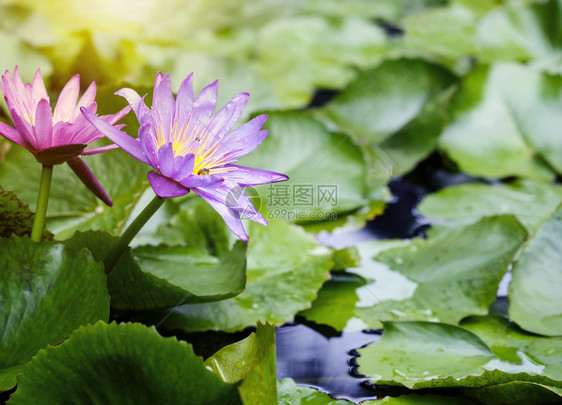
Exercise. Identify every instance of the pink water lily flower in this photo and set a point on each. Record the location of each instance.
(191, 148)
(59, 136)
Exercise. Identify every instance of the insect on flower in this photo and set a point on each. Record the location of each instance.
(191, 148)
(59, 136)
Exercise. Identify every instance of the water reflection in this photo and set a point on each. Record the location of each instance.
(326, 363)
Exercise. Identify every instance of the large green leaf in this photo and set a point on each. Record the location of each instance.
(71, 205)
(519, 31)
(525, 392)
(426, 399)
(120, 364)
(534, 291)
(383, 100)
(288, 393)
(327, 171)
(167, 275)
(526, 351)
(253, 361)
(46, 291)
(286, 268)
(439, 279)
(301, 54)
(503, 117)
(528, 200)
(423, 354)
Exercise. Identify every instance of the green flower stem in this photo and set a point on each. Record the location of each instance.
(131, 232)
(42, 202)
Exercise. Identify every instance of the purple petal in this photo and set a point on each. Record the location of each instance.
(137, 102)
(243, 139)
(163, 103)
(44, 125)
(13, 135)
(165, 187)
(64, 110)
(85, 175)
(230, 217)
(149, 144)
(183, 166)
(94, 151)
(113, 118)
(227, 116)
(206, 101)
(166, 160)
(184, 103)
(129, 144)
(210, 180)
(248, 176)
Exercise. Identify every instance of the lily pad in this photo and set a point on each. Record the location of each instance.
(383, 100)
(44, 298)
(504, 122)
(530, 201)
(288, 393)
(535, 302)
(441, 279)
(519, 31)
(167, 275)
(327, 172)
(423, 354)
(525, 392)
(251, 360)
(124, 364)
(286, 268)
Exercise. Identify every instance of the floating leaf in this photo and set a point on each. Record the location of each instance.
(251, 360)
(44, 298)
(502, 118)
(121, 364)
(423, 354)
(383, 100)
(288, 393)
(439, 279)
(327, 172)
(167, 275)
(528, 200)
(525, 392)
(286, 268)
(535, 302)
(520, 32)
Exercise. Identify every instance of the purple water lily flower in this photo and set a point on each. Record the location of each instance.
(191, 148)
(58, 137)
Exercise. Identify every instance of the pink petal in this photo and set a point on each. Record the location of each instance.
(39, 90)
(44, 125)
(85, 175)
(25, 129)
(64, 110)
(13, 135)
(87, 99)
